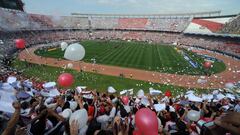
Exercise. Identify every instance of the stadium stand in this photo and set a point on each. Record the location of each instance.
(207, 25)
(103, 23)
(41, 29)
(232, 27)
(164, 30)
(168, 24)
(212, 26)
(43, 20)
(13, 20)
(70, 22)
(154, 24)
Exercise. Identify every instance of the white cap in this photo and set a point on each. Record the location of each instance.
(49, 85)
(123, 92)
(190, 92)
(50, 93)
(50, 90)
(111, 90)
(193, 98)
(154, 92)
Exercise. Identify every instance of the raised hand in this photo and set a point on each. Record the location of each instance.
(21, 131)
(74, 127)
(16, 105)
(230, 121)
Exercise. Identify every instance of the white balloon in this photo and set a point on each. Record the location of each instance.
(193, 115)
(69, 65)
(74, 52)
(64, 45)
(229, 85)
(81, 116)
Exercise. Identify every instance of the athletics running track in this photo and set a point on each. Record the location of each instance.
(231, 74)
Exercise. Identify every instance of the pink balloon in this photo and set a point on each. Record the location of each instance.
(20, 43)
(65, 80)
(146, 120)
(207, 64)
(125, 100)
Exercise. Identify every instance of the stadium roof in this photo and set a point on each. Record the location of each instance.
(194, 14)
(216, 35)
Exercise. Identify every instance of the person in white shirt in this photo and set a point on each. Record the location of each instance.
(107, 117)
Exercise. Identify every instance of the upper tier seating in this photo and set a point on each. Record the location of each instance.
(132, 23)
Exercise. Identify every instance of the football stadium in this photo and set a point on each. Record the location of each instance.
(107, 73)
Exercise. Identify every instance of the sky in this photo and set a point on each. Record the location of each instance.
(66, 7)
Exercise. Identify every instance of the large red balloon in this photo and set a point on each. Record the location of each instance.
(65, 80)
(146, 120)
(207, 64)
(125, 100)
(136, 132)
(168, 93)
(20, 43)
(150, 133)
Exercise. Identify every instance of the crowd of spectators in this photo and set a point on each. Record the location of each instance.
(37, 110)
(173, 24)
(104, 23)
(168, 24)
(15, 20)
(12, 20)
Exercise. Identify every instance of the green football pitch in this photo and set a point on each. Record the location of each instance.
(139, 55)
